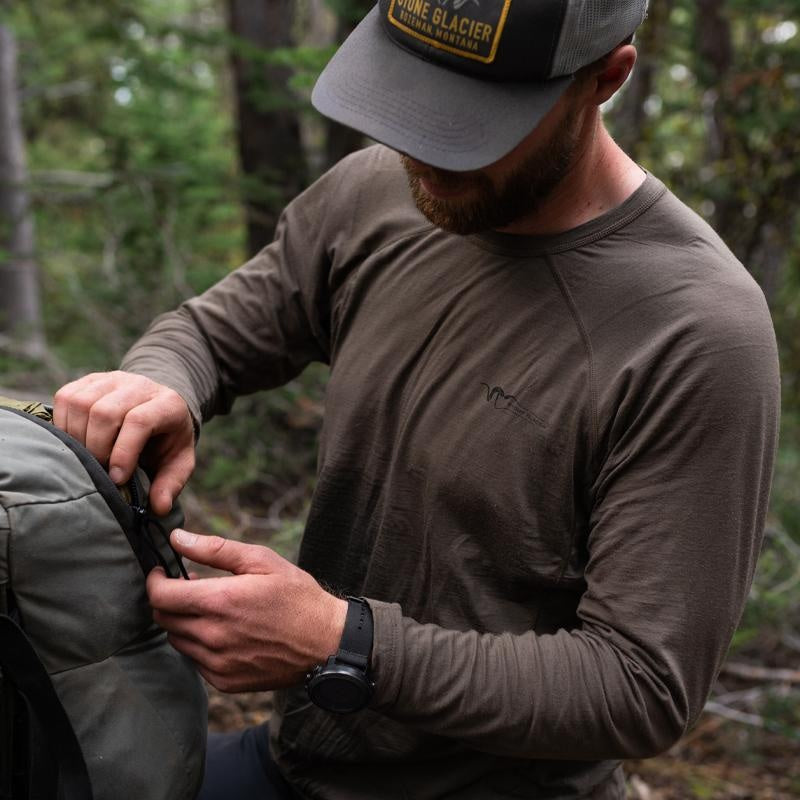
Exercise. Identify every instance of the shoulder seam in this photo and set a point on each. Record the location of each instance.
(593, 427)
(575, 314)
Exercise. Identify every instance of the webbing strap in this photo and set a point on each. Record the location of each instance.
(7, 711)
(22, 667)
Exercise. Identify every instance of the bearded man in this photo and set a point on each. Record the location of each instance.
(549, 433)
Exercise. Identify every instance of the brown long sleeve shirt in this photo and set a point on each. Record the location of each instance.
(545, 460)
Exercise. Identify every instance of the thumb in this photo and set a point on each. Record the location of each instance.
(227, 554)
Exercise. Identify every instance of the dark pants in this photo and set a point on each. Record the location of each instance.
(239, 767)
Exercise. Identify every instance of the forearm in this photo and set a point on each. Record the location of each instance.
(570, 695)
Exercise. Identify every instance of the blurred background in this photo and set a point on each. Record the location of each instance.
(146, 148)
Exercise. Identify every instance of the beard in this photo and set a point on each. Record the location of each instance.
(476, 204)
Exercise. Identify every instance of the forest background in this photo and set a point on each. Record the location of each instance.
(146, 148)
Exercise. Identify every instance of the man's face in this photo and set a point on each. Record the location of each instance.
(506, 191)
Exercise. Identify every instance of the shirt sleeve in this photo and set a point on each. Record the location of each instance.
(259, 326)
(678, 513)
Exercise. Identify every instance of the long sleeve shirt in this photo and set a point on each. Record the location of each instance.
(545, 461)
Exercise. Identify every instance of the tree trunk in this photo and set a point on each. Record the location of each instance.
(20, 302)
(341, 140)
(630, 118)
(270, 146)
(715, 48)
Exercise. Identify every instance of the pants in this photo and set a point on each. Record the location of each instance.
(239, 767)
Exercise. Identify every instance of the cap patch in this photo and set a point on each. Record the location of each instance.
(467, 28)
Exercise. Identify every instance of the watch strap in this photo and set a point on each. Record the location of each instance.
(355, 646)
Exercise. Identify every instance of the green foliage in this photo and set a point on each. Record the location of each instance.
(727, 144)
(133, 167)
(350, 11)
(772, 612)
(132, 150)
(129, 120)
(268, 446)
(723, 136)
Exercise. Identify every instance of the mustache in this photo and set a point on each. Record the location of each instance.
(441, 177)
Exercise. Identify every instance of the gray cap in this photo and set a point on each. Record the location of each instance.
(458, 84)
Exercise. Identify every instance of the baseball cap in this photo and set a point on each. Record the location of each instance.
(458, 84)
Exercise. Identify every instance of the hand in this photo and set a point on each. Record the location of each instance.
(116, 414)
(264, 627)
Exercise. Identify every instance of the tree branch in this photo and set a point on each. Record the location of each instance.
(752, 673)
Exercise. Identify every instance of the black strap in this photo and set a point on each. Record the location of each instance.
(356, 644)
(7, 713)
(22, 666)
(9, 701)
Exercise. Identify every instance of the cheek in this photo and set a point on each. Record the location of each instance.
(561, 124)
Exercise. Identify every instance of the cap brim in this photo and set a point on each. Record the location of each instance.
(434, 114)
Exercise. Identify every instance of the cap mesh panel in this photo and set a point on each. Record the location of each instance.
(593, 28)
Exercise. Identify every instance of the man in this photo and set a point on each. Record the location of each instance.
(549, 432)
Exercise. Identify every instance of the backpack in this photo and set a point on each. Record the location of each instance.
(94, 702)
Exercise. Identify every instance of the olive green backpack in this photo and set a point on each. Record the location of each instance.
(94, 702)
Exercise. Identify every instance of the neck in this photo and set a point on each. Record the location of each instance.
(602, 176)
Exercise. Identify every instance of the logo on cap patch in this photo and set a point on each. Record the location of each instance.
(467, 28)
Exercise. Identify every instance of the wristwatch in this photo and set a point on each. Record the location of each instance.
(342, 684)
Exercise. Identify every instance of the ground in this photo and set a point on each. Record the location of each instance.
(718, 760)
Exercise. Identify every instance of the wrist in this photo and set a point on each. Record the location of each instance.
(342, 683)
(334, 628)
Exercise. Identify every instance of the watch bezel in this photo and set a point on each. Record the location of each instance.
(322, 683)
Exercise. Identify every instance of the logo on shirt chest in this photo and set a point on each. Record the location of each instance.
(501, 401)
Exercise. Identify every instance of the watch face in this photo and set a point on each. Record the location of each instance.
(339, 688)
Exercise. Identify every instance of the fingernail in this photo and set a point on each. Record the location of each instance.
(116, 475)
(185, 538)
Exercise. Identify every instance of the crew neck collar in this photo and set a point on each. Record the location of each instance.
(512, 244)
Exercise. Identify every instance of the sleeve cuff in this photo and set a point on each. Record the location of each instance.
(387, 653)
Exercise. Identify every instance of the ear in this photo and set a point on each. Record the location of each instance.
(616, 70)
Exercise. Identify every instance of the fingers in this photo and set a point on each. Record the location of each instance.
(229, 555)
(191, 647)
(203, 659)
(168, 426)
(115, 414)
(256, 630)
(100, 426)
(171, 596)
(209, 662)
(72, 403)
(187, 626)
